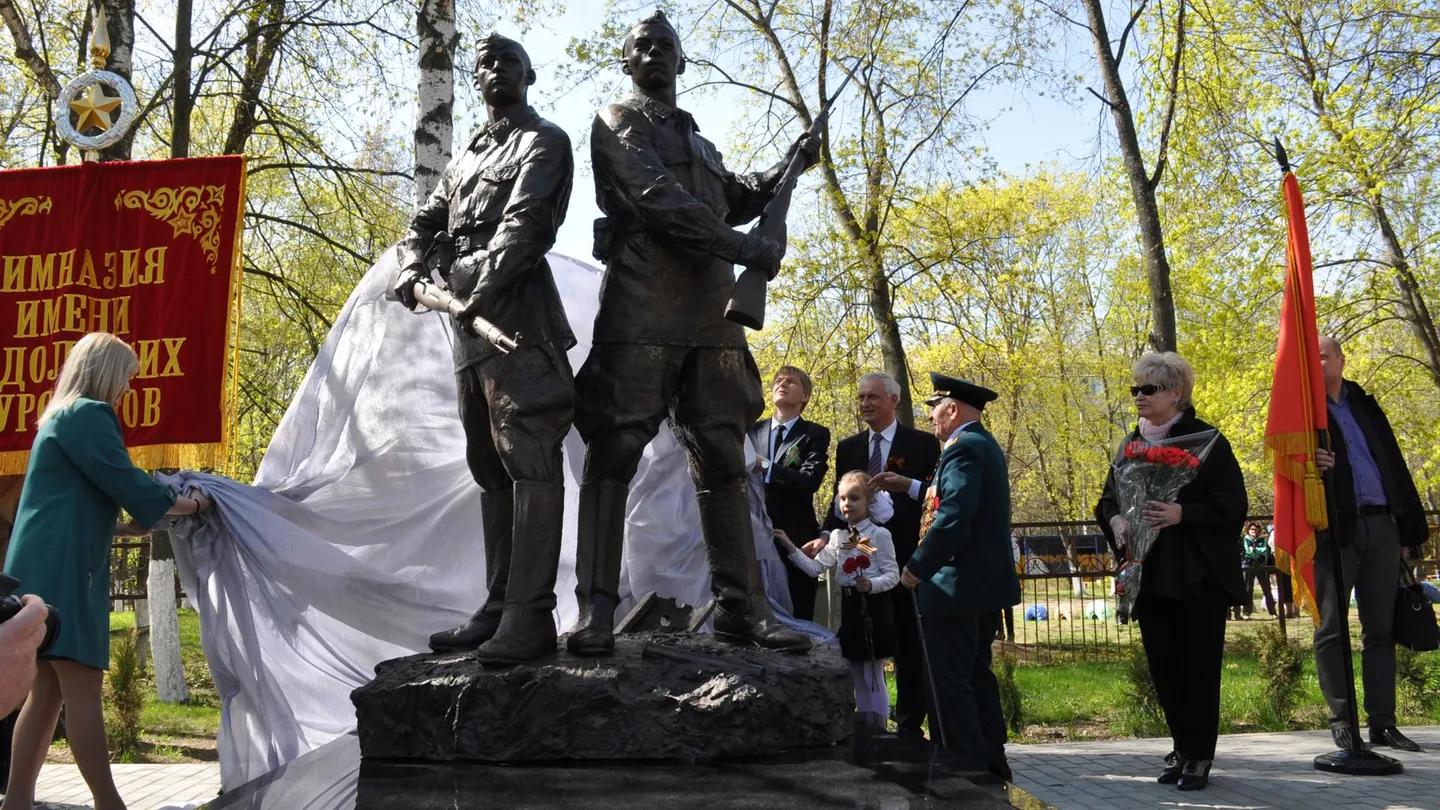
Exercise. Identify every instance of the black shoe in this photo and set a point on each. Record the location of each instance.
(1341, 736)
(983, 777)
(600, 533)
(1392, 737)
(909, 733)
(479, 629)
(1003, 772)
(1174, 766)
(1195, 776)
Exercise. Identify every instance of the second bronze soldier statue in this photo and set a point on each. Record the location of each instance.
(662, 347)
(502, 200)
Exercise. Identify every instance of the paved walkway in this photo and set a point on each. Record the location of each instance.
(1252, 772)
(143, 787)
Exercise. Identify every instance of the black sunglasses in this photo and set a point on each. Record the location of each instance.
(1149, 389)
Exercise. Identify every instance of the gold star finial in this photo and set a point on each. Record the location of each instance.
(94, 109)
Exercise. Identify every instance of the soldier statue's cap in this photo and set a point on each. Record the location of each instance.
(964, 390)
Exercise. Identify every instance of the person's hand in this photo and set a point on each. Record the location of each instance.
(1324, 459)
(20, 637)
(202, 501)
(783, 539)
(908, 579)
(862, 584)
(1121, 527)
(808, 148)
(1162, 515)
(405, 286)
(890, 482)
(814, 547)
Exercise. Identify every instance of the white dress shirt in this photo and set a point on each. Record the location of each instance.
(887, 438)
(884, 571)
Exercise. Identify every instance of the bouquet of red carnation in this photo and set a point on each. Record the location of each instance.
(855, 566)
(1152, 471)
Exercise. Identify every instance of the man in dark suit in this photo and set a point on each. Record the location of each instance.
(963, 575)
(1379, 512)
(797, 454)
(900, 460)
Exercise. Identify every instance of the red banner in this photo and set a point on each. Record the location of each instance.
(149, 251)
(1297, 411)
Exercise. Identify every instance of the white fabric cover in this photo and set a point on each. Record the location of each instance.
(361, 534)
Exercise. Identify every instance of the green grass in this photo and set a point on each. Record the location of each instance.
(171, 732)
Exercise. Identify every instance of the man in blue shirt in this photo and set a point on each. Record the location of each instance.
(1377, 512)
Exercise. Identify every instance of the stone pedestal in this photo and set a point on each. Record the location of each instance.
(661, 696)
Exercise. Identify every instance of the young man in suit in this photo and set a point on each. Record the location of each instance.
(900, 460)
(797, 454)
(965, 575)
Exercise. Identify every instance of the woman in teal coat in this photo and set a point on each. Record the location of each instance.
(78, 479)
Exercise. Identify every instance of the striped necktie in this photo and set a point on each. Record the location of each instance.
(877, 461)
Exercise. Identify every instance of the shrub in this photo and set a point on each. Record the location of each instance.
(1415, 679)
(1243, 645)
(1011, 699)
(124, 697)
(1281, 664)
(1141, 715)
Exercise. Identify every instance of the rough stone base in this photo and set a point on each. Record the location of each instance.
(661, 696)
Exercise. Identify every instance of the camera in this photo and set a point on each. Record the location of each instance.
(10, 605)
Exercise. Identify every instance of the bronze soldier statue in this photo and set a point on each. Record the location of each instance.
(501, 202)
(662, 347)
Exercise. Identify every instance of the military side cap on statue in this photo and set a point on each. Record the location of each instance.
(964, 390)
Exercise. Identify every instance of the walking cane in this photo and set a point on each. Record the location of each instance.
(929, 671)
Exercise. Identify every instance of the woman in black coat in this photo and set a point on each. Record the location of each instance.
(1191, 572)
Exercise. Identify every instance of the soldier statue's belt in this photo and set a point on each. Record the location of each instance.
(468, 242)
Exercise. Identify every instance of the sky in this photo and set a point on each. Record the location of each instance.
(1024, 129)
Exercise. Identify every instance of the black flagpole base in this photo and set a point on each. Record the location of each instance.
(1358, 763)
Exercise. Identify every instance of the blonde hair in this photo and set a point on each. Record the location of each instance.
(858, 477)
(99, 367)
(1167, 369)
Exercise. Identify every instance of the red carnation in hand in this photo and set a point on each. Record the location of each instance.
(862, 562)
(850, 565)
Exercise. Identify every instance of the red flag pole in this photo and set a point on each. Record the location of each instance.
(1354, 760)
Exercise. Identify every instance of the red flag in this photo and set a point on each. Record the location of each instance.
(1297, 411)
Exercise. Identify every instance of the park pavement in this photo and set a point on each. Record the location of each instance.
(143, 787)
(1251, 772)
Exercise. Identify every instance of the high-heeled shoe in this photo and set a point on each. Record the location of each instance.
(1195, 776)
(1174, 766)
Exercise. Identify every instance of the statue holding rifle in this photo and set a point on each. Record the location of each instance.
(485, 231)
(663, 347)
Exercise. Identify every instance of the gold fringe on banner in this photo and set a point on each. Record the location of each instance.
(147, 457)
(1292, 565)
(1315, 512)
(230, 399)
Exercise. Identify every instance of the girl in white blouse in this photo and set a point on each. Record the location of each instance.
(863, 557)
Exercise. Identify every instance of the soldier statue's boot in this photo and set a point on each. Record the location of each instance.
(742, 616)
(598, 549)
(527, 626)
(497, 516)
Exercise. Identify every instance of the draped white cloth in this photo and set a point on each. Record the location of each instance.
(361, 534)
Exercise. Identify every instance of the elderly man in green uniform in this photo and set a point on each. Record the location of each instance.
(963, 576)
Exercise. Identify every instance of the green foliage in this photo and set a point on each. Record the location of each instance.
(124, 697)
(1011, 698)
(1281, 665)
(1140, 715)
(1417, 679)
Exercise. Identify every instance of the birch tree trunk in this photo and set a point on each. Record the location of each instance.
(164, 621)
(120, 21)
(435, 24)
(1142, 184)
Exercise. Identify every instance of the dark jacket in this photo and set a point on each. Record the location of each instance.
(800, 465)
(913, 454)
(1400, 493)
(506, 195)
(1212, 515)
(667, 237)
(964, 562)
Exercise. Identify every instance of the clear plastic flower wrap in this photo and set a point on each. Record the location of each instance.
(1151, 471)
